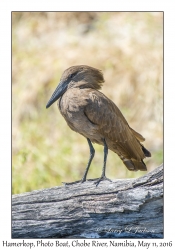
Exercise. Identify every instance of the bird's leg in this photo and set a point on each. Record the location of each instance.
(103, 176)
(92, 153)
(105, 158)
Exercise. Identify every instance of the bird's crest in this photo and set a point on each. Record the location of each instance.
(84, 76)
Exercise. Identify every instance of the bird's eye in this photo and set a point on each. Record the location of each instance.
(73, 74)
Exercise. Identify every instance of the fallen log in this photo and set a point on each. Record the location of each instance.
(129, 208)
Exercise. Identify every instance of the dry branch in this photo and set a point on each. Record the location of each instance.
(131, 208)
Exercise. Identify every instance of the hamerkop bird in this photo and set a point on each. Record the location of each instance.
(93, 115)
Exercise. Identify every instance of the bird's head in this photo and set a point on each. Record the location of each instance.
(80, 76)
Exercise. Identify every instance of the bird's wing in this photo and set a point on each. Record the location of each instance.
(113, 126)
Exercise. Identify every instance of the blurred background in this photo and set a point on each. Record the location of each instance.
(126, 46)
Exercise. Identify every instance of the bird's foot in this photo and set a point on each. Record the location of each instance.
(71, 183)
(102, 178)
(83, 179)
(75, 182)
(97, 181)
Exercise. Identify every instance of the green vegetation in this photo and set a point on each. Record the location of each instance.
(126, 46)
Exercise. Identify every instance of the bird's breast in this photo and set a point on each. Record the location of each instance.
(72, 105)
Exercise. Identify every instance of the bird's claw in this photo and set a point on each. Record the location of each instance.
(75, 182)
(71, 183)
(102, 178)
(98, 180)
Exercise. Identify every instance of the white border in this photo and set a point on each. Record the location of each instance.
(5, 92)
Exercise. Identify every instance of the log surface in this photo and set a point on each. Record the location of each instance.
(130, 208)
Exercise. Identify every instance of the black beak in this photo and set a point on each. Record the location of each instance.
(59, 91)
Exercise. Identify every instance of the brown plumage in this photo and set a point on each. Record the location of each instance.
(93, 115)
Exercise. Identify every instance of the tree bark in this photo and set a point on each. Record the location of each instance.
(130, 208)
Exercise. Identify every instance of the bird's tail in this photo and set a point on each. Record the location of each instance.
(145, 151)
(134, 165)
